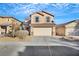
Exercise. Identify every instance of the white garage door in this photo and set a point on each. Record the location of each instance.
(42, 31)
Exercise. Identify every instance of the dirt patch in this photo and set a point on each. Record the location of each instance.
(14, 39)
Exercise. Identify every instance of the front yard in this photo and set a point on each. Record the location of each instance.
(21, 35)
(14, 39)
(29, 38)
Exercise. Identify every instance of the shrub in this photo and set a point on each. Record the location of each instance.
(21, 34)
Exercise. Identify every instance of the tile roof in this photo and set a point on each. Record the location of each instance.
(9, 17)
(40, 13)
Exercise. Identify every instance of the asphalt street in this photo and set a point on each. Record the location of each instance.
(49, 51)
(40, 46)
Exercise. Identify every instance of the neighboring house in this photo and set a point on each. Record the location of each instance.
(60, 30)
(68, 29)
(6, 24)
(42, 24)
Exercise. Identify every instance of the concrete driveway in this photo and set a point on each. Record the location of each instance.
(50, 41)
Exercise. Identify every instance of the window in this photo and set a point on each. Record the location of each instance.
(36, 19)
(48, 19)
(3, 27)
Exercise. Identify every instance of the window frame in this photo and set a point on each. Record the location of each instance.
(36, 18)
(47, 19)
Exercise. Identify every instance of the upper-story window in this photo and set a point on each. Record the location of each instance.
(47, 19)
(37, 19)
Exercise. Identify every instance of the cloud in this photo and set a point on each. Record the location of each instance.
(21, 10)
(28, 8)
(24, 8)
(60, 5)
(65, 9)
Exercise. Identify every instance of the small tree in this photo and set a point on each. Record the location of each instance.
(22, 33)
(15, 27)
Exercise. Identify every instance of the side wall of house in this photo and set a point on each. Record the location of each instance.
(17, 24)
(72, 29)
(54, 30)
(60, 31)
(33, 19)
(42, 19)
(8, 21)
(4, 20)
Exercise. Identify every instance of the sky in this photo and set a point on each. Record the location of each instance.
(63, 12)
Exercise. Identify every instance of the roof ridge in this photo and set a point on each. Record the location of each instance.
(6, 16)
(68, 22)
(43, 12)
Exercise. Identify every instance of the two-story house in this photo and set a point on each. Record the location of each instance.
(42, 24)
(6, 23)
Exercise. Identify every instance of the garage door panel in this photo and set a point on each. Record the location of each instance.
(42, 31)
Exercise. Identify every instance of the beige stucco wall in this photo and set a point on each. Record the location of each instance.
(3, 20)
(71, 25)
(70, 29)
(17, 22)
(10, 21)
(41, 20)
(60, 31)
(51, 18)
(43, 30)
(33, 19)
(54, 31)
